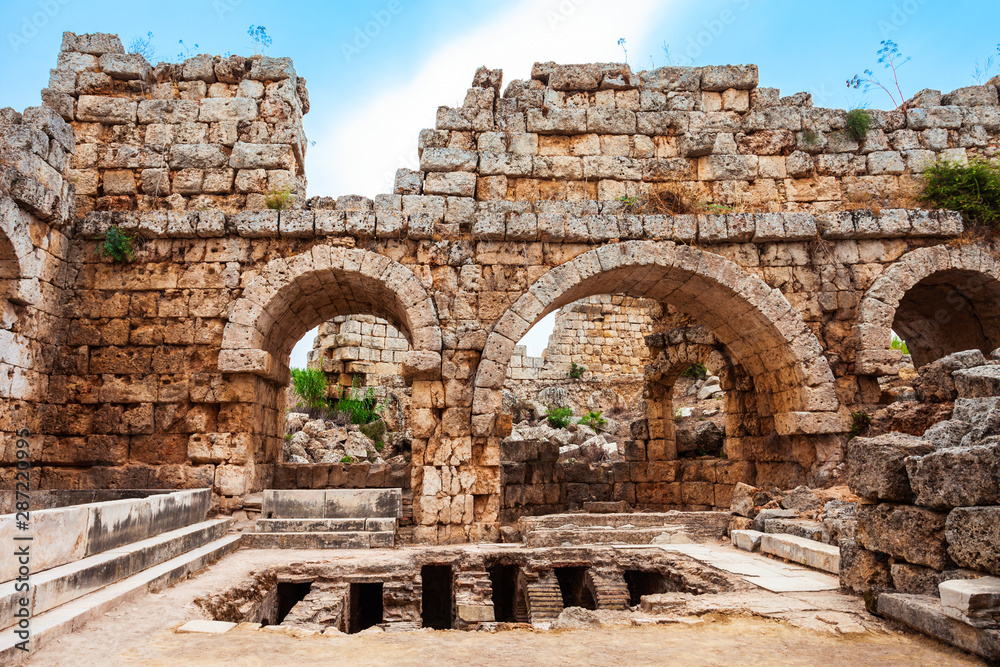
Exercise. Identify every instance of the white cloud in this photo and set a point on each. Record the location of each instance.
(359, 154)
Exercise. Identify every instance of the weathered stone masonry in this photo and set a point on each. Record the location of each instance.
(170, 371)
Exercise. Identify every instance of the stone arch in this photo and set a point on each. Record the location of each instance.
(287, 298)
(754, 321)
(941, 299)
(674, 352)
(292, 295)
(17, 258)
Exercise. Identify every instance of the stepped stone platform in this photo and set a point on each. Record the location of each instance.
(629, 528)
(327, 519)
(87, 558)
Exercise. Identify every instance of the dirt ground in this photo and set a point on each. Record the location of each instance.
(141, 632)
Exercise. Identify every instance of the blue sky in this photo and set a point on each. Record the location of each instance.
(372, 93)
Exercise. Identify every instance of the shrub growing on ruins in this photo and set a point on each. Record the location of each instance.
(859, 121)
(559, 416)
(360, 407)
(278, 199)
(310, 384)
(576, 372)
(972, 189)
(696, 371)
(593, 419)
(898, 344)
(860, 423)
(117, 246)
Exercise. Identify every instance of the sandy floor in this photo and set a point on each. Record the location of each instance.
(141, 633)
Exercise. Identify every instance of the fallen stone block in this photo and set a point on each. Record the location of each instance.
(800, 550)
(971, 595)
(747, 540)
(925, 614)
(206, 627)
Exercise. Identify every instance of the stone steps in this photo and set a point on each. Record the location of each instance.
(60, 585)
(320, 540)
(71, 616)
(610, 590)
(324, 525)
(544, 600)
(327, 519)
(811, 553)
(804, 528)
(700, 524)
(925, 613)
(581, 536)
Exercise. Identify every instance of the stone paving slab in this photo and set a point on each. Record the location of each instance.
(761, 571)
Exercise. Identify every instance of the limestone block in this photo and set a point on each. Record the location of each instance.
(974, 538)
(885, 162)
(958, 477)
(817, 555)
(459, 184)
(971, 595)
(747, 540)
(720, 78)
(448, 159)
(662, 123)
(167, 111)
(727, 167)
(671, 79)
(610, 121)
(914, 534)
(296, 223)
(126, 66)
(944, 116)
(106, 110)
(876, 466)
(557, 121)
(204, 627)
(94, 43)
(272, 69)
(197, 156)
(262, 156)
(862, 570)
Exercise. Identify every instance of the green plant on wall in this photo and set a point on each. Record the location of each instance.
(972, 189)
(860, 423)
(360, 407)
(117, 245)
(858, 123)
(593, 419)
(559, 417)
(310, 384)
(898, 344)
(278, 199)
(576, 372)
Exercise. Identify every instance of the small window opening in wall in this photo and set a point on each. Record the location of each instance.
(289, 595)
(574, 589)
(641, 583)
(366, 607)
(504, 581)
(436, 601)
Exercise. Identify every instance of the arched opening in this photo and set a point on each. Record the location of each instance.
(939, 300)
(289, 298)
(949, 311)
(780, 381)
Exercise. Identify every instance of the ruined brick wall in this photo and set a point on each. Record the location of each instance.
(36, 205)
(601, 132)
(359, 345)
(211, 132)
(169, 371)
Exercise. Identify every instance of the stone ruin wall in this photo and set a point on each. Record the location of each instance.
(167, 372)
(359, 345)
(605, 335)
(214, 132)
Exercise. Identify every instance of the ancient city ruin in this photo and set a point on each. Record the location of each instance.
(729, 371)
